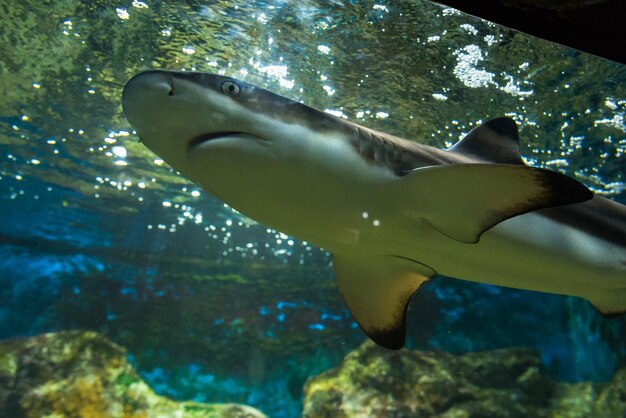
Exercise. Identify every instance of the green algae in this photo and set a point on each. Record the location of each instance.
(75, 374)
(373, 382)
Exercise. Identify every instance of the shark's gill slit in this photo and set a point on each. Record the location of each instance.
(170, 79)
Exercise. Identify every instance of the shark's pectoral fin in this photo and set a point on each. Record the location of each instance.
(377, 290)
(464, 200)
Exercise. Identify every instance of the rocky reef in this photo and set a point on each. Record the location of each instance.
(76, 374)
(83, 375)
(373, 382)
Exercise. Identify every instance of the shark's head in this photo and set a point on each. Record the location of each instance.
(181, 114)
(232, 138)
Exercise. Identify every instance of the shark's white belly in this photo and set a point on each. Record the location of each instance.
(529, 251)
(535, 253)
(542, 251)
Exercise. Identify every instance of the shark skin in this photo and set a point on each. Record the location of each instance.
(394, 213)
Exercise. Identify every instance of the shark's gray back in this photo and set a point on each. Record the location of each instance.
(495, 141)
(600, 217)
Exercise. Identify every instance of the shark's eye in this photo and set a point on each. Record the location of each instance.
(230, 87)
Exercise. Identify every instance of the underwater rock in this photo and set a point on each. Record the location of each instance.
(611, 401)
(82, 374)
(373, 382)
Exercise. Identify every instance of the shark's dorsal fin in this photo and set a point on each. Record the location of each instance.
(377, 290)
(496, 140)
(463, 201)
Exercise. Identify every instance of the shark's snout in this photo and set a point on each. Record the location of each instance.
(143, 93)
(159, 82)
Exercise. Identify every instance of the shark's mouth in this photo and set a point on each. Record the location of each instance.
(203, 138)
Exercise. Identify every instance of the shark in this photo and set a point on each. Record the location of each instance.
(394, 213)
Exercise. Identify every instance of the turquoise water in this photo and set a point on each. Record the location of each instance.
(98, 233)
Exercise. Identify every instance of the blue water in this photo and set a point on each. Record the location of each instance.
(98, 233)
